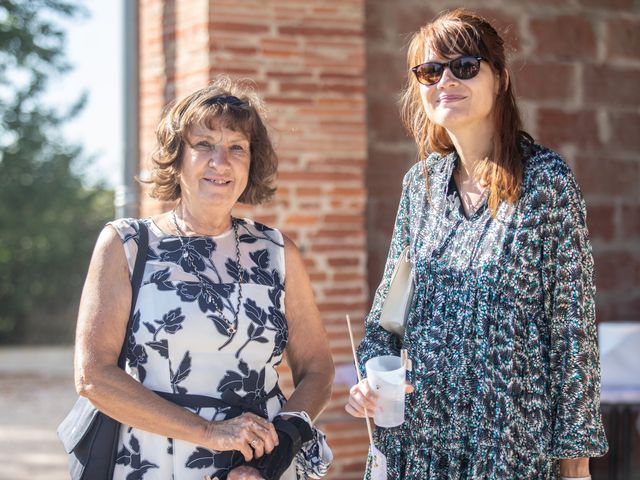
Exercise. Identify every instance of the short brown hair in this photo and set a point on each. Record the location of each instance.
(461, 32)
(236, 105)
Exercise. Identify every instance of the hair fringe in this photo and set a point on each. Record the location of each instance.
(462, 32)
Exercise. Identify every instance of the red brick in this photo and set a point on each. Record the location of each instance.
(338, 247)
(566, 37)
(556, 127)
(343, 307)
(626, 307)
(227, 26)
(608, 4)
(319, 176)
(348, 277)
(631, 223)
(625, 128)
(544, 80)
(317, 31)
(601, 222)
(302, 219)
(317, 277)
(623, 39)
(616, 270)
(343, 262)
(386, 73)
(336, 292)
(607, 85)
(506, 25)
(357, 219)
(604, 175)
(274, 100)
(407, 20)
(348, 192)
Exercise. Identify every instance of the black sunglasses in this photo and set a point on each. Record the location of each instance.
(463, 68)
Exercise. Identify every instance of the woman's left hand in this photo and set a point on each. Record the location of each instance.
(244, 473)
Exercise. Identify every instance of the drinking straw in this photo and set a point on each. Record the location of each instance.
(355, 359)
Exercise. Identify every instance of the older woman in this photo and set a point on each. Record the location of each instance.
(501, 329)
(222, 299)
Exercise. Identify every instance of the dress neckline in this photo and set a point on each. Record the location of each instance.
(161, 233)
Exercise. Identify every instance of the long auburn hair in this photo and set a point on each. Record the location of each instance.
(461, 32)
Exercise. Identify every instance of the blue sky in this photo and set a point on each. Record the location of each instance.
(94, 48)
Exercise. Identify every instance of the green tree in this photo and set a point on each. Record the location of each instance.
(48, 219)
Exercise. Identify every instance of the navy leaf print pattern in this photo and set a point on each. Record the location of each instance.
(161, 347)
(276, 318)
(181, 373)
(179, 310)
(246, 238)
(255, 313)
(136, 357)
(255, 330)
(220, 324)
(171, 322)
(274, 295)
(188, 252)
(135, 321)
(209, 295)
(160, 279)
(231, 381)
(201, 458)
(237, 273)
(132, 459)
(250, 381)
(149, 327)
(260, 258)
(136, 354)
(224, 461)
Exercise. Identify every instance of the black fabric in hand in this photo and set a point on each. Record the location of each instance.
(292, 433)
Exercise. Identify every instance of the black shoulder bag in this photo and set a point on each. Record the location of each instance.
(89, 436)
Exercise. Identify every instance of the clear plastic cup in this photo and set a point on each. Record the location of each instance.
(386, 377)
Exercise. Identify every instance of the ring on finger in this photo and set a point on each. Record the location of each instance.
(254, 442)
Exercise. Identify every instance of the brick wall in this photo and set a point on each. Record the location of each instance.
(577, 69)
(308, 61)
(331, 70)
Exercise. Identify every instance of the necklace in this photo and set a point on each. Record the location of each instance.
(231, 328)
(472, 206)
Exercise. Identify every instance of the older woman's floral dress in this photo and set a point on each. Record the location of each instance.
(180, 346)
(501, 332)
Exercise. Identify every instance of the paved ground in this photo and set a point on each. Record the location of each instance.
(36, 391)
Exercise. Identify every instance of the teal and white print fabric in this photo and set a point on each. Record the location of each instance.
(179, 343)
(502, 330)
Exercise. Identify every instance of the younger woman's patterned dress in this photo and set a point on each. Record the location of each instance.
(501, 332)
(179, 343)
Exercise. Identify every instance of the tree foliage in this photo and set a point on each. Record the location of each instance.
(48, 219)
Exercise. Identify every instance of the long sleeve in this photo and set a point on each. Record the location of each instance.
(378, 341)
(575, 368)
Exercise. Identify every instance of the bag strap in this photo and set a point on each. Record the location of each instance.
(136, 283)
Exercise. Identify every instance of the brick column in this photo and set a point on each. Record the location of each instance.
(307, 59)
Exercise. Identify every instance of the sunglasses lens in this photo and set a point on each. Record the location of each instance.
(429, 73)
(465, 67)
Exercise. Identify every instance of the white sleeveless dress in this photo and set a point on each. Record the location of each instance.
(180, 344)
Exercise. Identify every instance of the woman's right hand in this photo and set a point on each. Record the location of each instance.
(251, 435)
(360, 397)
